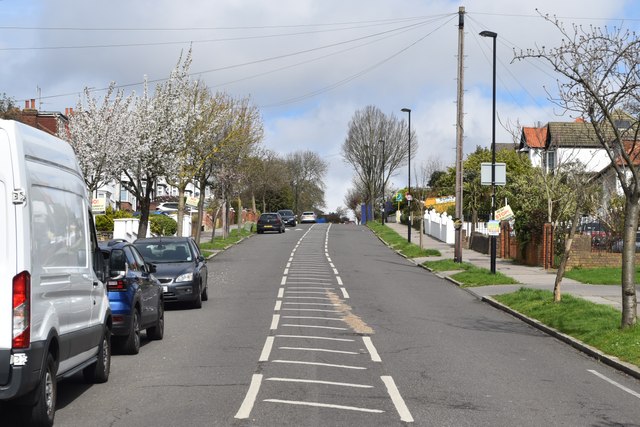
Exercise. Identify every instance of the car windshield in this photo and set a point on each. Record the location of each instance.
(165, 252)
(308, 213)
(286, 213)
(266, 217)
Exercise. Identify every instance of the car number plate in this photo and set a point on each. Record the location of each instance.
(267, 226)
(165, 288)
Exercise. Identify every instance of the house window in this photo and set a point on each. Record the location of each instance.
(549, 161)
(124, 194)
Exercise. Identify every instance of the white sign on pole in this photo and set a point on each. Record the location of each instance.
(501, 174)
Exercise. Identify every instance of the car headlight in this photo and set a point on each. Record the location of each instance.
(186, 277)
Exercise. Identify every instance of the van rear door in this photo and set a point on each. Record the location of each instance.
(7, 253)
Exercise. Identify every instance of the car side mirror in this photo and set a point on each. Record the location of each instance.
(151, 268)
(201, 258)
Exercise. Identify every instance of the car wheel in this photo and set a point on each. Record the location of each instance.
(156, 332)
(99, 371)
(197, 303)
(44, 409)
(132, 343)
(205, 294)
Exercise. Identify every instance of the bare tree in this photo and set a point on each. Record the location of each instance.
(600, 82)
(376, 146)
(306, 172)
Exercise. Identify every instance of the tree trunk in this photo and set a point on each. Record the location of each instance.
(225, 219)
(181, 189)
(239, 219)
(629, 301)
(557, 295)
(144, 217)
(215, 221)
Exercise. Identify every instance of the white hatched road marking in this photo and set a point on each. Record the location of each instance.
(313, 337)
(397, 399)
(284, 280)
(274, 321)
(311, 303)
(325, 350)
(311, 309)
(333, 328)
(312, 317)
(371, 349)
(610, 381)
(345, 294)
(325, 405)
(266, 350)
(299, 380)
(278, 306)
(329, 365)
(280, 292)
(339, 280)
(250, 397)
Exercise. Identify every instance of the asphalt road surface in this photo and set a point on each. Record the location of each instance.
(325, 326)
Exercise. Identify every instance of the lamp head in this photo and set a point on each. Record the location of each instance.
(406, 110)
(489, 34)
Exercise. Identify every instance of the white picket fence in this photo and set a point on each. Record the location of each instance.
(440, 226)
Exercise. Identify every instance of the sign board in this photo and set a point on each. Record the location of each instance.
(192, 202)
(409, 197)
(440, 204)
(501, 173)
(98, 205)
(504, 213)
(493, 228)
(399, 197)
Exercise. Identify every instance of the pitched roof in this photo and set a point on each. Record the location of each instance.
(533, 137)
(571, 134)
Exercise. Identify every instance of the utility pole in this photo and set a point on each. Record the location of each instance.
(459, 138)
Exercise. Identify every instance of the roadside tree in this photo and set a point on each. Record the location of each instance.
(600, 83)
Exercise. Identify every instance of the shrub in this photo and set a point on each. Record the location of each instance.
(104, 223)
(162, 225)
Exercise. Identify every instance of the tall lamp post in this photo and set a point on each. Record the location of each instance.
(384, 211)
(494, 36)
(408, 110)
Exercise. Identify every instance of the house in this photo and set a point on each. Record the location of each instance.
(560, 143)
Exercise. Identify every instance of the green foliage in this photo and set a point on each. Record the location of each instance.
(162, 225)
(597, 325)
(219, 243)
(105, 222)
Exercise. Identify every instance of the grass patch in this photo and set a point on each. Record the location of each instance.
(476, 276)
(594, 324)
(400, 243)
(599, 276)
(219, 243)
(447, 265)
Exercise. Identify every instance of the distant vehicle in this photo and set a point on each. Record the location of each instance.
(171, 207)
(288, 217)
(55, 318)
(308, 216)
(270, 221)
(599, 233)
(180, 267)
(617, 245)
(135, 296)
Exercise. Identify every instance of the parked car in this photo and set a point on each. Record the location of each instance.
(170, 207)
(288, 217)
(55, 318)
(270, 221)
(135, 295)
(616, 246)
(308, 217)
(180, 267)
(599, 233)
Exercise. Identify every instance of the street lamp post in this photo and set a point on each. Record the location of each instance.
(408, 110)
(494, 36)
(382, 184)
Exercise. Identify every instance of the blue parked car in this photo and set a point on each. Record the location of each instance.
(135, 296)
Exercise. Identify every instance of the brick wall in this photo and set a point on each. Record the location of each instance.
(581, 255)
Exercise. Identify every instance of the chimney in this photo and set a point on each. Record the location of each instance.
(33, 104)
(26, 104)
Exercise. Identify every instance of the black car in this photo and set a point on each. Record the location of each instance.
(270, 221)
(180, 267)
(135, 296)
(288, 217)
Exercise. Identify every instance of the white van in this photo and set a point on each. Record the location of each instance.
(55, 318)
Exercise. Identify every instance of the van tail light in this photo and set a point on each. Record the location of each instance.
(116, 285)
(21, 310)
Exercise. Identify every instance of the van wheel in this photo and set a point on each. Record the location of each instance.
(44, 409)
(132, 343)
(99, 371)
(156, 332)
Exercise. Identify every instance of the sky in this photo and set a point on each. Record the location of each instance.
(308, 65)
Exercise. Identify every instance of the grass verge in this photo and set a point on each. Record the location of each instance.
(400, 243)
(219, 243)
(471, 275)
(599, 276)
(594, 324)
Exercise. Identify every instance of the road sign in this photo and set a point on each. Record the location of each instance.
(493, 228)
(409, 197)
(399, 197)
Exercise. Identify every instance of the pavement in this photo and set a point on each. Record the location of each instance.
(530, 277)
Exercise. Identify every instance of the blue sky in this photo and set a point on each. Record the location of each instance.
(369, 52)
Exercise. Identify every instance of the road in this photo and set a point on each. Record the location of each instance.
(324, 325)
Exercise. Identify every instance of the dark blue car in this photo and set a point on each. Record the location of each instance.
(135, 296)
(180, 267)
